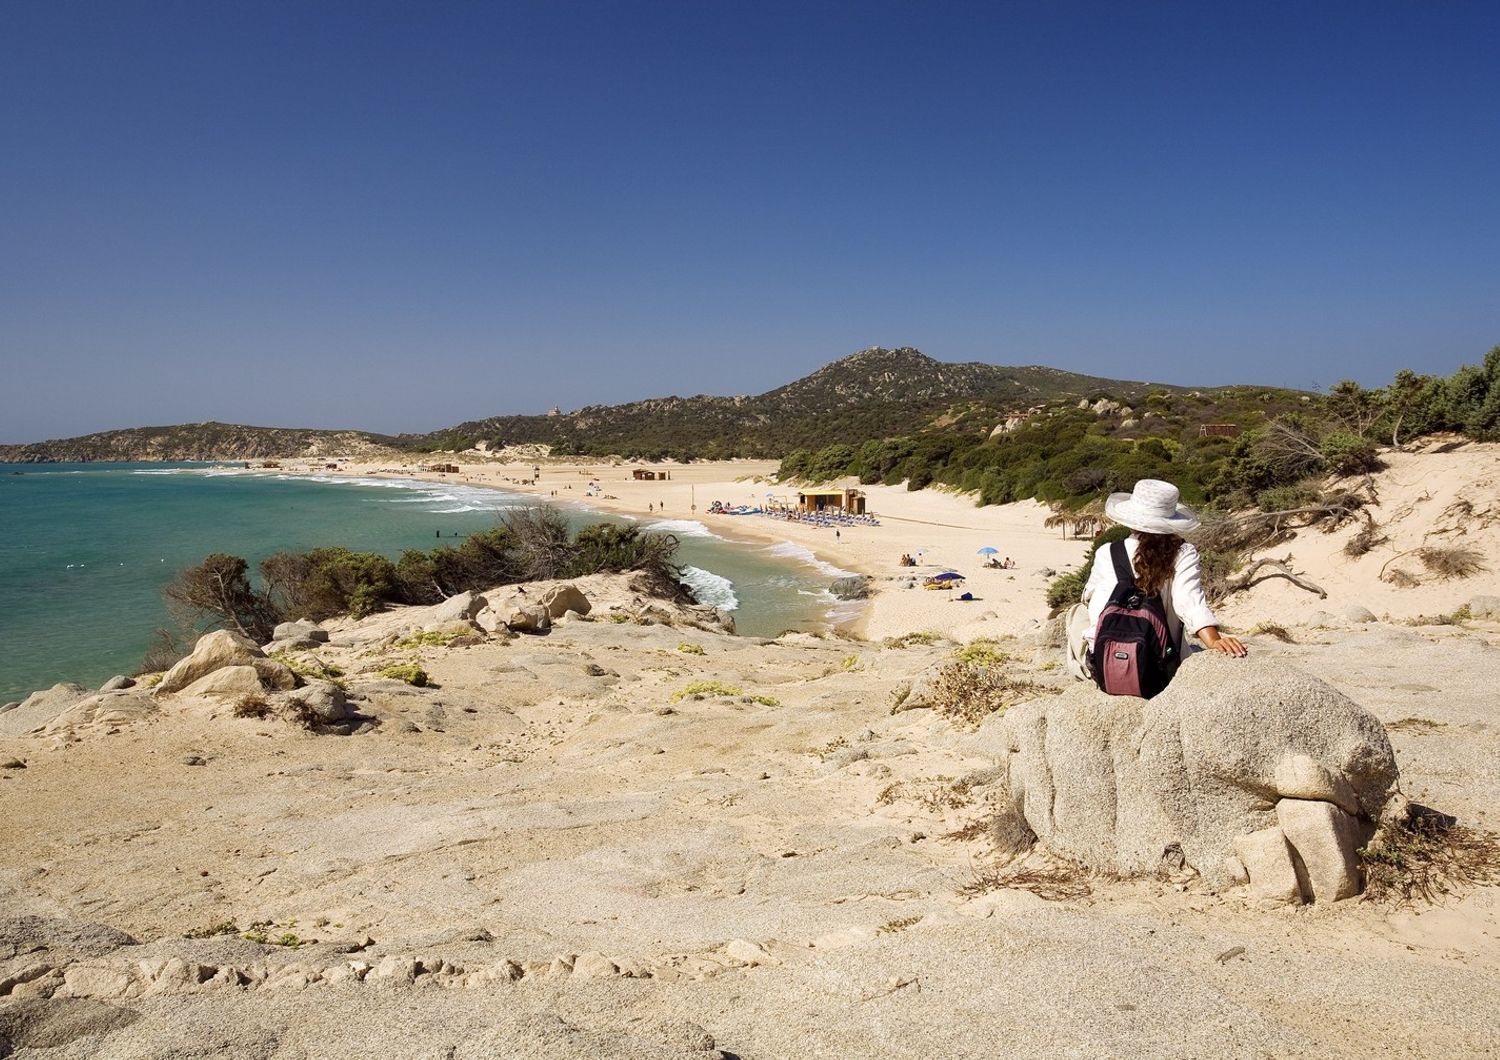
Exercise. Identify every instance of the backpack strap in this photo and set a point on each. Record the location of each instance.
(1123, 572)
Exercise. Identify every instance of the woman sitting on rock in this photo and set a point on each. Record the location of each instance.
(1163, 565)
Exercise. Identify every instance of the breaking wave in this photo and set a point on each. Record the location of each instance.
(683, 528)
(803, 554)
(710, 588)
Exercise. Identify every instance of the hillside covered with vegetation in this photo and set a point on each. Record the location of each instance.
(875, 393)
(1071, 455)
(196, 441)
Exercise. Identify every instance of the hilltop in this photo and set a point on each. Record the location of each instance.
(875, 393)
(195, 441)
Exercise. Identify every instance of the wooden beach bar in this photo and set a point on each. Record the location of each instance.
(848, 501)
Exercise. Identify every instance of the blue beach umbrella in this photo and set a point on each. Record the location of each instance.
(988, 551)
(948, 576)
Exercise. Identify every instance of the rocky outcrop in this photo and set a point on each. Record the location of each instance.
(531, 619)
(103, 711)
(564, 598)
(320, 703)
(854, 587)
(301, 635)
(1233, 762)
(460, 608)
(1484, 606)
(214, 651)
(39, 708)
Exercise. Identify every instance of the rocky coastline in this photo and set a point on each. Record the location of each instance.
(572, 818)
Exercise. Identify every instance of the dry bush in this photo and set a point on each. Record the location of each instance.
(1401, 579)
(1273, 629)
(252, 705)
(163, 651)
(1054, 882)
(969, 694)
(1426, 856)
(1365, 540)
(1420, 726)
(890, 927)
(976, 829)
(1452, 561)
(299, 713)
(539, 542)
(1246, 532)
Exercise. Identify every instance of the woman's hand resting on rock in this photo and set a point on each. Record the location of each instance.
(1215, 641)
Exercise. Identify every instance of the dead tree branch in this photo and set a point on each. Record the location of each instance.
(1278, 568)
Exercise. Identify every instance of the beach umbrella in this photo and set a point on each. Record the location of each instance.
(948, 576)
(988, 551)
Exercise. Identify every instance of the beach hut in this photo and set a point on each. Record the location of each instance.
(848, 501)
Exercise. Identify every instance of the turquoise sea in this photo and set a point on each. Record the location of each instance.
(85, 550)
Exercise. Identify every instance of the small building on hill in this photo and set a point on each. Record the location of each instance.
(848, 501)
(1218, 430)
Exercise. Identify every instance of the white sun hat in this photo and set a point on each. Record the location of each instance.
(1153, 507)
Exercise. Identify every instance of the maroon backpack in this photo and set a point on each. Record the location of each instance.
(1134, 652)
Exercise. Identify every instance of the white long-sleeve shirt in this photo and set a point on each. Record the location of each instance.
(1187, 606)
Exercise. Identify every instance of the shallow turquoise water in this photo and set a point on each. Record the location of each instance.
(85, 550)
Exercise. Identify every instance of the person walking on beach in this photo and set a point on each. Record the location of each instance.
(1163, 565)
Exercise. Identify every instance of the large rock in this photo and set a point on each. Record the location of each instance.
(1325, 843)
(302, 630)
(1267, 862)
(1484, 606)
(324, 701)
(564, 598)
(275, 674)
(230, 681)
(1358, 613)
(460, 608)
(105, 710)
(1114, 781)
(34, 934)
(41, 707)
(214, 651)
(532, 619)
(854, 587)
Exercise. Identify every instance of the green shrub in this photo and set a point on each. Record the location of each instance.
(1288, 498)
(1347, 453)
(981, 651)
(705, 688)
(409, 672)
(969, 693)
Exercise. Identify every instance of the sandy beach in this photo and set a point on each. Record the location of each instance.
(1429, 494)
(942, 530)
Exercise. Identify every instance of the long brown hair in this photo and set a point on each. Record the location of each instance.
(1155, 560)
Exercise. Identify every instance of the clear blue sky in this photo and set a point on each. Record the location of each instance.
(399, 216)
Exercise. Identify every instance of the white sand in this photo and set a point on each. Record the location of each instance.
(1419, 500)
(945, 527)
